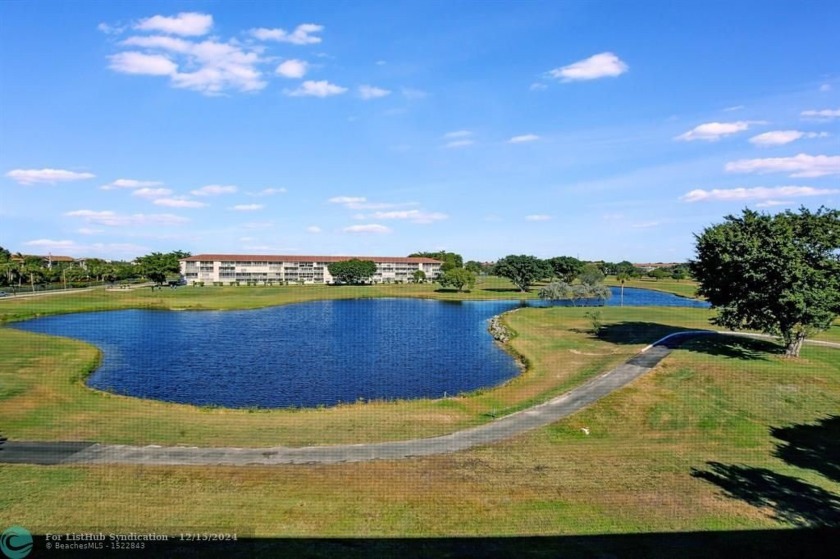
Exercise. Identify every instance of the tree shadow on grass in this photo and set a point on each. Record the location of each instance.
(814, 446)
(736, 347)
(792, 500)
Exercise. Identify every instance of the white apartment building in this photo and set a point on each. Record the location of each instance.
(227, 269)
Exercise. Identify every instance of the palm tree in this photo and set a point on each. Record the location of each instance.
(622, 277)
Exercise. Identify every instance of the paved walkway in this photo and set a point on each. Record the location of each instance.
(498, 430)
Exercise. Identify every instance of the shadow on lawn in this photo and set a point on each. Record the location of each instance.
(811, 446)
(735, 347)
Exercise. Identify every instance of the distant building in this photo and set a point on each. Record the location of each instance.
(650, 266)
(231, 268)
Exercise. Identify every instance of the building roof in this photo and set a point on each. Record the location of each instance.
(303, 258)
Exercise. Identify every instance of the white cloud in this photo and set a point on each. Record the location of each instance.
(113, 219)
(733, 108)
(110, 29)
(458, 144)
(49, 243)
(151, 192)
(714, 131)
(313, 229)
(457, 134)
(369, 228)
(537, 217)
(214, 66)
(415, 216)
(603, 65)
(302, 35)
(537, 86)
(213, 190)
(772, 203)
(129, 183)
(347, 200)
(247, 207)
(754, 193)
(801, 165)
(825, 87)
(368, 92)
(824, 114)
(269, 192)
(292, 69)
(321, 88)
(179, 203)
(781, 137)
(132, 62)
(49, 176)
(188, 24)
(523, 138)
(89, 231)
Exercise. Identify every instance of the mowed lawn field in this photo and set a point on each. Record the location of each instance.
(724, 435)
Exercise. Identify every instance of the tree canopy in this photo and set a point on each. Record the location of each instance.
(459, 278)
(779, 274)
(450, 259)
(522, 270)
(567, 268)
(352, 271)
(157, 265)
(560, 291)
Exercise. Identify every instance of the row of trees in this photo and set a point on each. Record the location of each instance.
(17, 270)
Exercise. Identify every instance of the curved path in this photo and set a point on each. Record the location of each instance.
(500, 429)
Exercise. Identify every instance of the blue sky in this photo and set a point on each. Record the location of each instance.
(603, 130)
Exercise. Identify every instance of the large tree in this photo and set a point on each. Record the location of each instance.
(459, 278)
(522, 270)
(779, 274)
(352, 271)
(450, 259)
(156, 266)
(567, 268)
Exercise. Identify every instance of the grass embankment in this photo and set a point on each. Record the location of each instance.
(684, 288)
(657, 457)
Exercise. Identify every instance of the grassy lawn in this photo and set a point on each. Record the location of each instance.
(685, 288)
(708, 441)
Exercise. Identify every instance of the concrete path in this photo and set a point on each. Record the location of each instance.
(498, 430)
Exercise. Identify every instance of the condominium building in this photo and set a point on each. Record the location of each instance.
(235, 268)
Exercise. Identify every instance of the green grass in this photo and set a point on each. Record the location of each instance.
(646, 466)
(685, 288)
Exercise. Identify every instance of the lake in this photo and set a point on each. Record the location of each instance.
(305, 354)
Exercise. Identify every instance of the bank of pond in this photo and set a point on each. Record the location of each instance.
(318, 353)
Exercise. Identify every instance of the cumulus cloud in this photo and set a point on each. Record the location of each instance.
(824, 114)
(415, 216)
(347, 200)
(113, 219)
(188, 24)
(146, 192)
(247, 207)
(523, 138)
(292, 69)
(321, 88)
(781, 137)
(603, 65)
(213, 190)
(802, 165)
(754, 193)
(49, 243)
(368, 228)
(179, 203)
(129, 183)
(714, 131)
(48, 176)
(304, 34)
(209, 66)
(269, 192)
(458, 144)
(132, 62)
(368, 92)
(537, 217)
